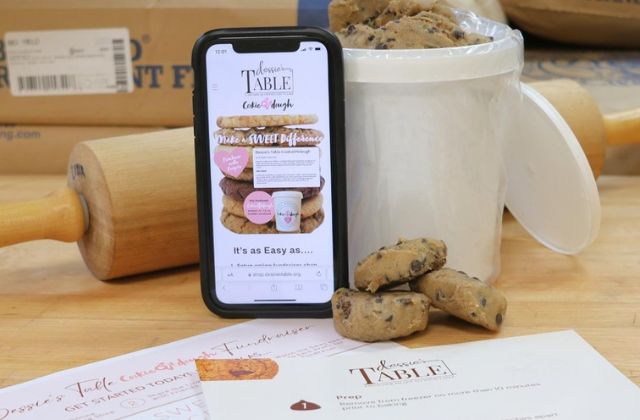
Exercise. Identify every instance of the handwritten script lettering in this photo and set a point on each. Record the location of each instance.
(25, 408)
(229, 347)
(90, 385)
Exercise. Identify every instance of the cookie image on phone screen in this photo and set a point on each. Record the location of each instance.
(260, 200)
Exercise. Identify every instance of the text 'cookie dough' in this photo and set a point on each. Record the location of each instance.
(376, 317)
(393, 265)
(464, 297)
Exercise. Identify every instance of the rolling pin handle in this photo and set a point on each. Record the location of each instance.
(62, 216)
(623, 127)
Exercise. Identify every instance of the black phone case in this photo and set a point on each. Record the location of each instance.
(269, 39)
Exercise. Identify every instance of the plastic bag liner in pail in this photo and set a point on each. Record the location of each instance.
(425, 134)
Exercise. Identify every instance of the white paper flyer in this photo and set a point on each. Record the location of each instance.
(544, 376)
(161, 382)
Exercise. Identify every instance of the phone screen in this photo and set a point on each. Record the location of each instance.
(269, 138)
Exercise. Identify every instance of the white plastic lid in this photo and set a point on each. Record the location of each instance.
(551, 190)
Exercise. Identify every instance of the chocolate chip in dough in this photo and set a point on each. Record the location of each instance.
(458, 34)
(483, 302)
(345, 307)
(404, 301)
(370, 38)
(416, 265)
(499, 319)
(389, 318)
(368, 20)
(351, 29)
(378, 255)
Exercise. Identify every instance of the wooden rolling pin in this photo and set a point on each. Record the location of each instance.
(131, 201)
(593, 130)
(130, 204)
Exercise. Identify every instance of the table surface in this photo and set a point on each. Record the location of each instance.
(54, 315)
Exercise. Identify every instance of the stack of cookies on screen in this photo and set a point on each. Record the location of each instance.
(373, 313)
(237, 137)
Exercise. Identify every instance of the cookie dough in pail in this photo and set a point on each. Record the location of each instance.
(425, 136)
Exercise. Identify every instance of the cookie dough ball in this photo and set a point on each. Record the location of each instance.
(464, 297)
(397, 9)
(376, 13)
(343, 13)
(424, 30)
(397, 264)
(376, 317)
(402, 24)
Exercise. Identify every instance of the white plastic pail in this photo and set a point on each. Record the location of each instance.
(425, 136)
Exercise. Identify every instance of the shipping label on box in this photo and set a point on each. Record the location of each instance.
(161, 37)
(71, 62)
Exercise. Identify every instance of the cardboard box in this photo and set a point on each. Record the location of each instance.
(45, 149)
(162, 34)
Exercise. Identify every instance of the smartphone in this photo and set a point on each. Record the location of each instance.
(268, 109)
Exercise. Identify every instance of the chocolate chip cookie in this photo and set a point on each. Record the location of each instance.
(245, 175)
(242, 225)
(236, 369)
(310, 206)
(464, 297)
(252, 121)
(393, 265)
(375, 317)
(239, 190)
